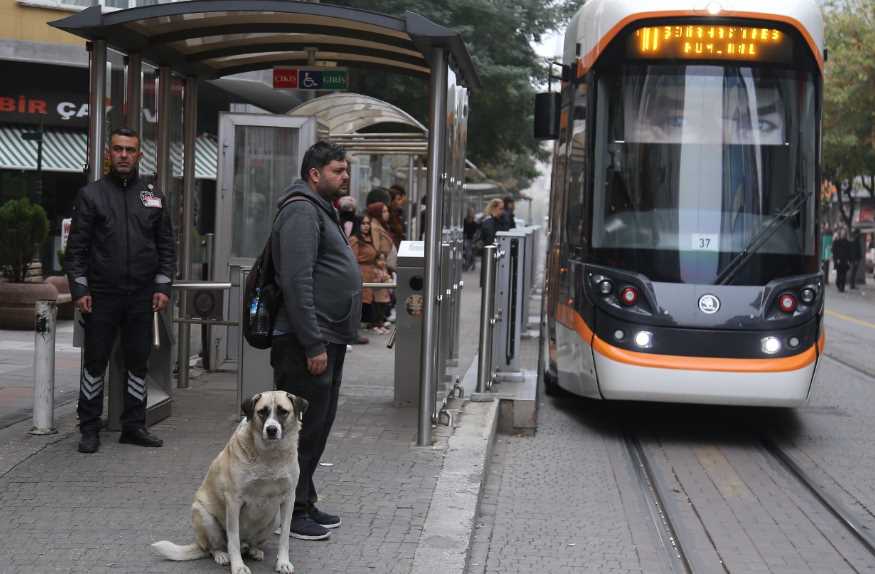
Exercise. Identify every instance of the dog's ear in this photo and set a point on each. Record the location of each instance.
(300, 404)
(248, 406)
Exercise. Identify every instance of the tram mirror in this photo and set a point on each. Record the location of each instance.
(547, 106)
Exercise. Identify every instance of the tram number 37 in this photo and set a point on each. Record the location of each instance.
(705, 242)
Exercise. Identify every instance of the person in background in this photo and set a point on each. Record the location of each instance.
(507, 221)
(382, 297)
(319, 315)
(491, 222)
(855, 255)
(423, 216)
(397, 216)
(366, 253)
(470, 227)
(121, 257)
(349, 221)
(841, 258)
(379, 214)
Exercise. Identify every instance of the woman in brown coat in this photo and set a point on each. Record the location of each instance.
(366, 253)
(379, 215)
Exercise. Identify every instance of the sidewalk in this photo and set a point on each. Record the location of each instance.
(68, 512)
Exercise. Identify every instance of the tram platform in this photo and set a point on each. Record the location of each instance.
(69, 512)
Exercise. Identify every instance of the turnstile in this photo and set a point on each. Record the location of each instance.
(409, 308)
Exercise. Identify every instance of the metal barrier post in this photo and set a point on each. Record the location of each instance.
(44, 368)
(487, 298)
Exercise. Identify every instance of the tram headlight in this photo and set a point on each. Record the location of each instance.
(793, 342)
(808, 295)
(714, 8)
(644, 339)
(771, 345)
(606, 287)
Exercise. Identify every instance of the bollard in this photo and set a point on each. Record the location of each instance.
(44, 368)
(487, 298)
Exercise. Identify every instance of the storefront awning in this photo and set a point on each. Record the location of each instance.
(65, 151)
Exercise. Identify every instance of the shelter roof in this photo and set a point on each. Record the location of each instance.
(213, 38)
(348, 113)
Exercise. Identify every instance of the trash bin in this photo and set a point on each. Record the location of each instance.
(409, 308)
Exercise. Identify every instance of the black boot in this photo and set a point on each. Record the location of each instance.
(89, 443)
(140, 437)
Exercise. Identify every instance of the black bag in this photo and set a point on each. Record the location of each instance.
(262, 295)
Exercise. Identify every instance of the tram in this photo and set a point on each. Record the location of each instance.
(682, 259)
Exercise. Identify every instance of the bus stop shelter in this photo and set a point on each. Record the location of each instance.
(208, 39)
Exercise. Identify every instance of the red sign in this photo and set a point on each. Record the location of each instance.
(285, 78)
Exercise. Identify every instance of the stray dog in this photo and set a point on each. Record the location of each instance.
(256, 473)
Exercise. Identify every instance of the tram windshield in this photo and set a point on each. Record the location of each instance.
(692, 161)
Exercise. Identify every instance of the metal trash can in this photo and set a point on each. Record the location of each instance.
(409, 308)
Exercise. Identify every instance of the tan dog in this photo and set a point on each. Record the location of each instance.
(254, 476)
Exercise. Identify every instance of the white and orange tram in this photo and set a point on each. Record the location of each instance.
(683, 231)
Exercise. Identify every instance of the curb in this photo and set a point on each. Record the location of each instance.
(446, 536)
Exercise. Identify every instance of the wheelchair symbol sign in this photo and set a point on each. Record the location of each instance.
(311, 80)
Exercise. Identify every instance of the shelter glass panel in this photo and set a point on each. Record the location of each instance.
(266, 162)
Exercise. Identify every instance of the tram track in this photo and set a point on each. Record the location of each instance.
(670, 521)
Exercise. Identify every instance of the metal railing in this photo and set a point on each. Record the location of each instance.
(182, 348)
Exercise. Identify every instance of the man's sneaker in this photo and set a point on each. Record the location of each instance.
(140, 437)
(305, 528)
(324, 519)
(89, 443)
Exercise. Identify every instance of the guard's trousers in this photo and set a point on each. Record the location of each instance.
(130, 314)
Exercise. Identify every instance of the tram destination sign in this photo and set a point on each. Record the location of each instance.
(311, 78)
(710, 42)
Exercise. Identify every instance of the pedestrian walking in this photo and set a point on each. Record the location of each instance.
(841, 257)
(491, 222)
(855, 256)
(121, 256)
(320, 313)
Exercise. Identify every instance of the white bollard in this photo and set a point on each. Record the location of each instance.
(44, 368)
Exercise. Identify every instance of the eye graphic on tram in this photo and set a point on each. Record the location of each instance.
(704, 106)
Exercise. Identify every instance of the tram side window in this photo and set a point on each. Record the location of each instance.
(577, 213)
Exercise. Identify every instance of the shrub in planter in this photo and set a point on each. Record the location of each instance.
(23, 226)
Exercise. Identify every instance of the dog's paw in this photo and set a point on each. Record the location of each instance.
(241, 569)
(221, 558)
(255, 554)
(284, 567)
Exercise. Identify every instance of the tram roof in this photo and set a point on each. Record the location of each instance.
(598, 21)
(209, 39)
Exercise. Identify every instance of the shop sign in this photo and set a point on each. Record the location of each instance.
(52, 109)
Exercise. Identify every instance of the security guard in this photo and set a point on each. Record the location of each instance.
(121, 255)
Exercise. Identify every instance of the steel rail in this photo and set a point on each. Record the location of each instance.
(836, 508)
(655, 494)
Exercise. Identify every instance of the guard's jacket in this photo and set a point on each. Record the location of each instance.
(121, 239)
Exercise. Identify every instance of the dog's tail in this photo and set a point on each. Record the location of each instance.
(173, 551)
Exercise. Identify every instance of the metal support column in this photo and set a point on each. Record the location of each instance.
(487, 321)
(189, 136)
(134, 93)
(411, 206)
(97, 115)
(436, 135)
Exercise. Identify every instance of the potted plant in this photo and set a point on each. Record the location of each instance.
(23, 226)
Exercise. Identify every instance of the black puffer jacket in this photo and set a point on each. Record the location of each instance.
(121, 239)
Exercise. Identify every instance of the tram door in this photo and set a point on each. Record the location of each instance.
(259, 157)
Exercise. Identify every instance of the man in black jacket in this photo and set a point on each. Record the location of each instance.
(120, 258)
(320, 314)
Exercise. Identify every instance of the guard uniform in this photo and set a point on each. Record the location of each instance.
(121, 251)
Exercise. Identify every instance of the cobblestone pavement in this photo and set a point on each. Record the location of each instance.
(67, 512)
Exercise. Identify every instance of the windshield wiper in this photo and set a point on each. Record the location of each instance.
(763, 235)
